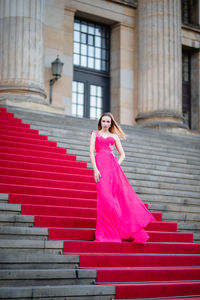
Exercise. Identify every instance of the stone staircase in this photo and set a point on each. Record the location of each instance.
(33, 267)
(47, 214)
(163, 167)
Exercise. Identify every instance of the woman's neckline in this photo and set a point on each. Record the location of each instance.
(105, 137)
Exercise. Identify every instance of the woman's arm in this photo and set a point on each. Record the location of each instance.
(97, 174)
(120, 150)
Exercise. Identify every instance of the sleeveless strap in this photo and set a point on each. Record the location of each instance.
(96, 132)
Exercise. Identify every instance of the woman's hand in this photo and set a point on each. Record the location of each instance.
(97, 175)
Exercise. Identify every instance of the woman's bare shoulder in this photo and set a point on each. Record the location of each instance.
(93, 132)
(115, 136)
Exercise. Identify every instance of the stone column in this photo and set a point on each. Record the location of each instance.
(159, 64)
(195, 91)
(21, 51)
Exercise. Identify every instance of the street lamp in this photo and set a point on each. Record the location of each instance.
(56, 68)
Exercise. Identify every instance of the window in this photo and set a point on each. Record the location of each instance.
(186, 89)
(190, 12)
(95, 101)
(91, 46)
(91, 69)
(77, 99)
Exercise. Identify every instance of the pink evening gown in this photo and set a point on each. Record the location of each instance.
(120, 212)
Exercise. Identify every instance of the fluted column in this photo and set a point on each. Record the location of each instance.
(159, 64)
(21, 51)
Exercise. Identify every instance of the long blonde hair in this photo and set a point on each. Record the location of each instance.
(114, 128)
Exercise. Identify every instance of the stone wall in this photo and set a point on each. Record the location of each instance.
(59, 40)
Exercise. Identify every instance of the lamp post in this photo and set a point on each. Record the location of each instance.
(56, 68)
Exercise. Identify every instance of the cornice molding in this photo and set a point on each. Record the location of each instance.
(191, 28)
(131, 3)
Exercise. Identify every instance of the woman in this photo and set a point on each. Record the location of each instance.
(120, 212)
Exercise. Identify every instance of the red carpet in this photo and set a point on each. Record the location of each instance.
(139, 260)
(60, 192)
(148, 274)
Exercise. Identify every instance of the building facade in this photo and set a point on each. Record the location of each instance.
(138, 59)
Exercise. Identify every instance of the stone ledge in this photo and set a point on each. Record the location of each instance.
(131, 3)
(24, 103)
(61, 291)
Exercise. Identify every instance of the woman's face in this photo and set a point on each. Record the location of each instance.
(105, 122)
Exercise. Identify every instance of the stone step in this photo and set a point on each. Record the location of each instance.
(145, 137)
(174, 208)
(20, 233)
(141, 191)
(14, 225)
(30, 246)
(132, 153)
(133, 137)
(185, 226)
(141, 164)
(165, 185)
(135, 179)
(4, 198)
(6, 208)
(136, 167)
(22, 220)
(62, 117)
(130, 170)
(177, 201)
(167, 298)
(62, 292)
(164, 179)
(159, 174)
(81, 125)
(38, 261)
(141, 180)
(80, 142)
(160, 199)
(187, 221)
(176, 217)
(158, 156)
(84, 122)
(177, 193)
(16, 220)
(41, 277)
(131, 131)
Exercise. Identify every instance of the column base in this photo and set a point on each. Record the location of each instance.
(21, 92)
(23, 103)
(25, 97)
(161, 120)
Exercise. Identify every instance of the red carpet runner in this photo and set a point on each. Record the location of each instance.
(60, 192)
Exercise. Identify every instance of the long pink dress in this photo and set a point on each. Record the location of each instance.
(120, 212)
